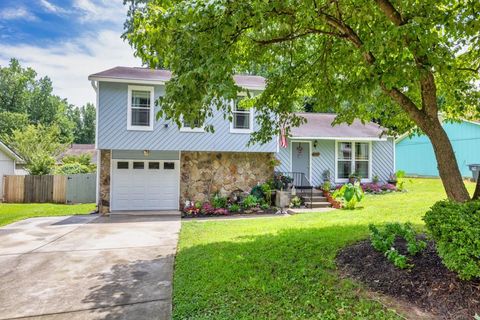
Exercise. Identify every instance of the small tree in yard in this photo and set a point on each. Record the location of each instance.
(397, 62)
(38, 146)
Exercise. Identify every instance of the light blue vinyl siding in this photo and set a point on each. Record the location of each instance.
(415, 154)
(113, 133)
(139, 155)
(383, 160)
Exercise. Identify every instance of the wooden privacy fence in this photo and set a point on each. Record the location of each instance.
(75, 188)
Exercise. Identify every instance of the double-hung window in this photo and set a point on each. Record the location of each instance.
(353, 158)
(242, 121)
(140, 108)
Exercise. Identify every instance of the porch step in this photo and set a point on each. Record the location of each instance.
(317, 204)
(315, 198)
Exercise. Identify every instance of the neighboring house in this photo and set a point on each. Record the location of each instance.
(149, 164)
(10, 163)
(415, 154)
(79, 149)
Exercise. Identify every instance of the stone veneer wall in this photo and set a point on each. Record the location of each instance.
(104, 190)
(202, 174)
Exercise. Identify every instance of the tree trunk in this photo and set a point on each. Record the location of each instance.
(447, 162)
(476, 194)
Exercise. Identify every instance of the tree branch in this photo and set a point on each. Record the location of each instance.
(427, 80)
(403, 100)
(291, 37)
(391, 13)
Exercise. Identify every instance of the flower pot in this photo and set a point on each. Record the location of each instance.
(394, 182)
(282, 199)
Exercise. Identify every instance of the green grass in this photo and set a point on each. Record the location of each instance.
(284, 268)
(11, 212)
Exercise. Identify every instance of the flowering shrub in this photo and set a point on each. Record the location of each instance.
(371, 187)
(191, 210)
(220, 212)
(207, 208)
(378, 188)
(389, 187)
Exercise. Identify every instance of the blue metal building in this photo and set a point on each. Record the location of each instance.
(415, 155)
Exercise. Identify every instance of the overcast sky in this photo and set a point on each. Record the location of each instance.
(66, 40)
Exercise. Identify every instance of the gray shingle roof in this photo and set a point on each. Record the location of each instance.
(319, 125)
(145, 74)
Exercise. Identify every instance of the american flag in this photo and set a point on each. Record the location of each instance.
(283, 139)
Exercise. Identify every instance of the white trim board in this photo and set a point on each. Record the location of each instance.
(361, 139)
(122, 80)
(156, 82)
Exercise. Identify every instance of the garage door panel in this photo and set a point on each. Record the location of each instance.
(145, 189)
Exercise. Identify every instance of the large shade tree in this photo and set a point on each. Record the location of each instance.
(399, 62)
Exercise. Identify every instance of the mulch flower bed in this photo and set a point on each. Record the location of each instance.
(227, 213)
(429, 285)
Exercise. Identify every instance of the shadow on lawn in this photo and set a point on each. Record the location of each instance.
(289, 274)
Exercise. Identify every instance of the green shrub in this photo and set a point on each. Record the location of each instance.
(296, 202)
(250, 201)
(383, 241)
(264, 206)
(234, 207)
(455, 227)
(257, 191)
(72, 168)
(267, 191)
(350, 194)
(219, 202)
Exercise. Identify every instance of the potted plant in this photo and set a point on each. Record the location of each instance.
(354, 177)
(326, 188)
(392, 179)
(375, 179)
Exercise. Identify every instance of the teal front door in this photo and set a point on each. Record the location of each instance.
(300, 161)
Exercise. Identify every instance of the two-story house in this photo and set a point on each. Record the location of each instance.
(149, 164)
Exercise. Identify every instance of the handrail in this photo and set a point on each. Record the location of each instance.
(300, 181)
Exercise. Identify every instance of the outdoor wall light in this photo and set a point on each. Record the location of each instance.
(146, 153)
(315, 143)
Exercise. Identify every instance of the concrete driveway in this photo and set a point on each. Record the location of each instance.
(88, 267)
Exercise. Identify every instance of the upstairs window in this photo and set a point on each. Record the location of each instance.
(242, 121)
(140, 108)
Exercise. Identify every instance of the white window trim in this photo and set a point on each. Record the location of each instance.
(129, 109)
(190, 129)
(236, 130)
(352, 161)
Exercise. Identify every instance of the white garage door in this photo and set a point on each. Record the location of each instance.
(145, 185)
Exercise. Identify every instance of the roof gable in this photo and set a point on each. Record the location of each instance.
(10, 153)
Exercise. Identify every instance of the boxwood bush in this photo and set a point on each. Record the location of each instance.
(455, 227)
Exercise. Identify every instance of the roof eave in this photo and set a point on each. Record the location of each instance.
(152, 82)
(124, 80)
(11, 153)
(339, 138)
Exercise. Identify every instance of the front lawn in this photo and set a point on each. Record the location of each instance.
(11, 212)
(284, 268)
